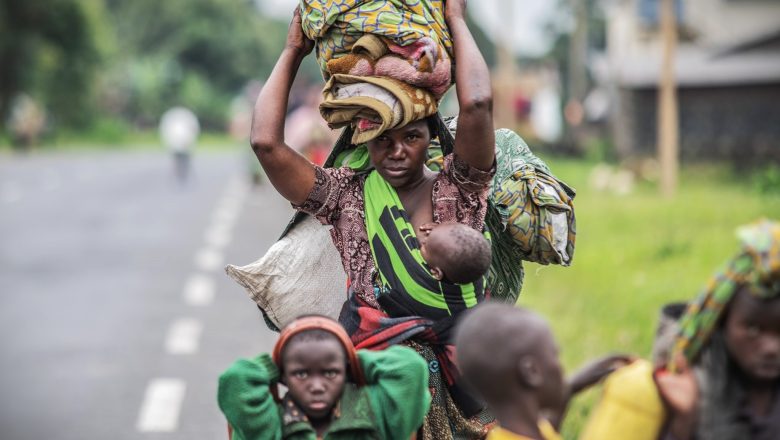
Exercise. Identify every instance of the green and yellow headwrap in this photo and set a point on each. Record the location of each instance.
(757, 265)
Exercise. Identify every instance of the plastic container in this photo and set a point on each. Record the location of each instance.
(630, 406)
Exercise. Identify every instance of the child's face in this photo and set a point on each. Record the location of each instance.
(753, 336)
(315, 373)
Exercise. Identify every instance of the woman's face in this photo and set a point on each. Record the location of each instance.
(399, 155)
(752, 330)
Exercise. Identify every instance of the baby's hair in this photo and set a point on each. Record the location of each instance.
(468, 257)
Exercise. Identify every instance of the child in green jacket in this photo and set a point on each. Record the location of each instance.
(334, 392)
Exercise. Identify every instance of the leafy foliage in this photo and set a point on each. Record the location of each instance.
(88, 60)
(197, 53)
(48, 50)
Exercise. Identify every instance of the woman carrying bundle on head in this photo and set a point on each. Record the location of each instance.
(377, 215)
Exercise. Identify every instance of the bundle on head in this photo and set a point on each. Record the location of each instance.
(386, 62)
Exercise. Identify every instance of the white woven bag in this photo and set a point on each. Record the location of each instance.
(300, 274)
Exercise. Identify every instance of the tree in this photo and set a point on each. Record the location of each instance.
(47, 51)
(197, 53)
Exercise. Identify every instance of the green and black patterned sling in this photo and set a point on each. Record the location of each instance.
(405, 284)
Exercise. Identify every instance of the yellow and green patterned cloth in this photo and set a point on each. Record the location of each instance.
(757, 266)
(335, 25)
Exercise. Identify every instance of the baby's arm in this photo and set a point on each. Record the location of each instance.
(397, 380)
(245, 398)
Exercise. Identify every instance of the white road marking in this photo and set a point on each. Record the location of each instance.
(225, 216)
(199, 290)
(163, 399)
(208, 259)
(218, 236)
(184, 336)
(237, 186)
(161, 406)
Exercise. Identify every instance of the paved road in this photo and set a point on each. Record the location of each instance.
(116, 316)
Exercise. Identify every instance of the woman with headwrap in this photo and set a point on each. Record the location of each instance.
(376, 215)
(730, 335)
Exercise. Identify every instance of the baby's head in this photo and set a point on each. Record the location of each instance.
(454, 252)
(316, 358)
(751, 331)
(508, 354)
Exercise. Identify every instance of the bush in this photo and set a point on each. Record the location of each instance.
(208, 103)
(767, 180)
(109, 131)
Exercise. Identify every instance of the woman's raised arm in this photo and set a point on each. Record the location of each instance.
(475, 139)
(289, 172)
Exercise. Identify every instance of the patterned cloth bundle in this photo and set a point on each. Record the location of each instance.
(386, 62)
(373, 104)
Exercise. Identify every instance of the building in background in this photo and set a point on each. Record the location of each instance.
(727, 72)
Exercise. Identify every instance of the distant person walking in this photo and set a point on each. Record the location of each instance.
(179, 130)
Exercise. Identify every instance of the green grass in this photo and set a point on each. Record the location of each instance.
(633, 254)
(127, 140)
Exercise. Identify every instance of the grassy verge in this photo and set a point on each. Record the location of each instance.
(130, 140)
(635, 253)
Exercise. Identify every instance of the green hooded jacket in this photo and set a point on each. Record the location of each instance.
(392, 404)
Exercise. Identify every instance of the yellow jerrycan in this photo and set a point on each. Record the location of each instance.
(630, 406)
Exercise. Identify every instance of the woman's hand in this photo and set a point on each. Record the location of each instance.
(296, 39)
(596, 370)
(454, 9)
(679, 390)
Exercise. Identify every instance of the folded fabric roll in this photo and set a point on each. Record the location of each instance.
(373, 104)
(423, 64)
(336, 25)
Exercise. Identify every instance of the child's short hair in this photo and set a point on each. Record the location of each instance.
(314, 334)
(517, 332)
